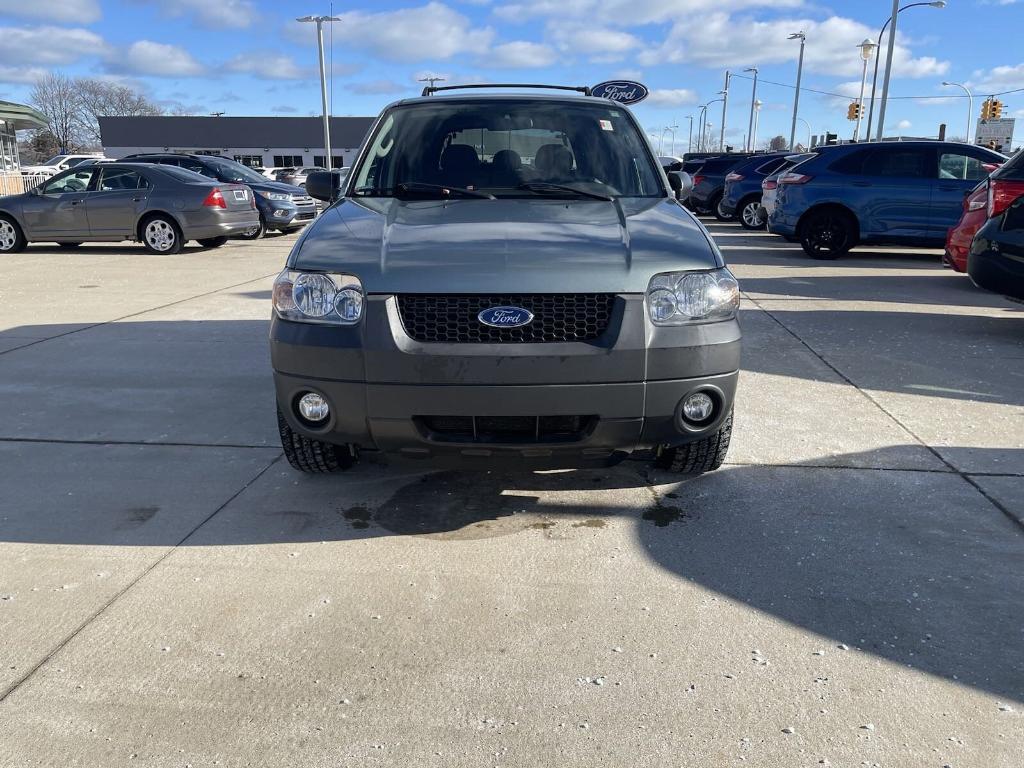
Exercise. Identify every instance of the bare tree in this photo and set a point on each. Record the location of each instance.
(56, 96)
(102, 99)
(778, 143)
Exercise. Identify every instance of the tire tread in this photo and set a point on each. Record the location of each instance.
(704, 455)
(312, 456)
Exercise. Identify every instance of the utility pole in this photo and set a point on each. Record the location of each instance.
(725, 106)
(888, 69)
(867, 47)
(799, 73)
(753, 98)
(319, 21)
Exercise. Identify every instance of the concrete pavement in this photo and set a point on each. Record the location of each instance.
(847, 589)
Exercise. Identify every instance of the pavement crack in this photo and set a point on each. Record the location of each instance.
(14, 686)
(967, 477)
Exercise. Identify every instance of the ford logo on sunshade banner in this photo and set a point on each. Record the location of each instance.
(622, 91)
(505, 317)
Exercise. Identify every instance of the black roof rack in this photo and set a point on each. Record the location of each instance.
(584, 89)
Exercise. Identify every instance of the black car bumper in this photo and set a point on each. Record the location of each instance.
(549, 404)
(996, 259)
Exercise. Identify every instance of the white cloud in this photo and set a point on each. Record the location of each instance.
(53, 11)
(520, 55)
(145, 57)
(599, 43)
(429, 32)
(904, 125)
(636, 12)
(831, 46)
(22, 74)
(47, 46)
(284, 109)
(1002, 78)
(674, 97)
(268, 65)
(219, 14)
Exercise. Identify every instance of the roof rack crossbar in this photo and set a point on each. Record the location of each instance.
(584, 89)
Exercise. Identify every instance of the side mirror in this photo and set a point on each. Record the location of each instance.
(681, 184)
(323, 185)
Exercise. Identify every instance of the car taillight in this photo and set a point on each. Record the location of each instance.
(977, 199)
(1001, 195)
(734, 177)
(215, 199)
(794, 178)
(697, 180)
(769, 184)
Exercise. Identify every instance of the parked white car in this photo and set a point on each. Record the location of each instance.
(58, 163)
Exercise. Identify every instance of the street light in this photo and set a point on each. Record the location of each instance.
(874, 78)
(970, 107)
(725, 106)
(319, 21)
(689, 143)
(867, 47)
(757, 115)
(808, 144)
(799, 72)
(753, 98)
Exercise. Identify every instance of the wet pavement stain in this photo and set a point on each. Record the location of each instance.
(359, 516)
(141, 514)
(595, 522)
(663, 516)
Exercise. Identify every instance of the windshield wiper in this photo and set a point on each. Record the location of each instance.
(418, 186)
(546, 186)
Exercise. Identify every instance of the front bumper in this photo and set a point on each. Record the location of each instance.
(384, 388)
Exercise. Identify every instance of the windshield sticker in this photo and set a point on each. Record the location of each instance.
(606, 125)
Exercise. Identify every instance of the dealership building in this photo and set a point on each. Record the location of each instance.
(265, 142)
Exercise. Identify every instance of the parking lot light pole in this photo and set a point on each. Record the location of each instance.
(753, 98)
(689, 143)
(757, 115)
(888, 69)
(725, 106)
(319, 21)
(970, 107)
(808, 125)
(874, 78)
(867, 47)
(799, 73)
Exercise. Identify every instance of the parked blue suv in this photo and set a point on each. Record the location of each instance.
(907, 193)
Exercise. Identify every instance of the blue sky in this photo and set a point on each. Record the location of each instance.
(249, 57)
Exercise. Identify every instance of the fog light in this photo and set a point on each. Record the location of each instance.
(698, 407)
(313, 407)
(280, 212)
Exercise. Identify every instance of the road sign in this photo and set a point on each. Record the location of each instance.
(998, 132)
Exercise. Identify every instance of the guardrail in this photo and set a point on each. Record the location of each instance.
(14, 183)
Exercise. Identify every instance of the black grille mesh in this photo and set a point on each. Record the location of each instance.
(507, 429)
(452, 318)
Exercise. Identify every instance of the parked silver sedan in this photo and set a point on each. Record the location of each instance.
(160, 206)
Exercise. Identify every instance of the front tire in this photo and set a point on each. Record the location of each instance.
(700, 456)
(312, 456)
(828, 234)
(212, 242)
(161, 235)
(12, 239)
(751, 214)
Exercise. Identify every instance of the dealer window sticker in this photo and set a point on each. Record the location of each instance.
(606, 125)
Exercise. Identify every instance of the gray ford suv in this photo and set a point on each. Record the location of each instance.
(505, 279)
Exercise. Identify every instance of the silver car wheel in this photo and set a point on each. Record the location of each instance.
(752, 215)
(8, 237)
(160, 235)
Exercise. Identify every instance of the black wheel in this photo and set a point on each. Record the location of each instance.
(254, 232)
(827, 234)
(716, 208)
(751, 214)
(704, 455)
(12, 239)
(212, 242)
(68, 245)
(312, 456)
(161, 234)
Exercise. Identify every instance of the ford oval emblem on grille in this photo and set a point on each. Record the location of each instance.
(505, 317)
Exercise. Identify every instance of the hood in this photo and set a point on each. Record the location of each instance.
(505, 245)
(274, 186)
(40, 169)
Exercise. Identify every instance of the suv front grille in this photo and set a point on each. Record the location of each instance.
(507, 429)
(452, 318)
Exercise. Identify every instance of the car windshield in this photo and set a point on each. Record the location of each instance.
(55, 160)
(228, 170)
(508, 148)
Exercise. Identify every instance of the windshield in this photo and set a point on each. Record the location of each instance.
(55, 160)
(509, 148)
(229, 170)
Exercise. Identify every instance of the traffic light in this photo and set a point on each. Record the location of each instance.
(986, 109)
(996, 109)
(851, 111)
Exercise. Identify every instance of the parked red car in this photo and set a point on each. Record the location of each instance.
(989, 199)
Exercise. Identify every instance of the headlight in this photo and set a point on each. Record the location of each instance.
(276, 195)
(681, 298)
(318, 297)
